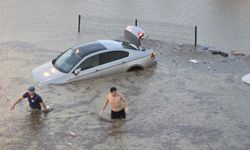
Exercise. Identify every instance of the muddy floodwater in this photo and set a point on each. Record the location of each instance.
(175, 105)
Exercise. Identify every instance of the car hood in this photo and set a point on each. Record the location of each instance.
(48, 74)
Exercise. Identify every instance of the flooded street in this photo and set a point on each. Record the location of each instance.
(174, 105)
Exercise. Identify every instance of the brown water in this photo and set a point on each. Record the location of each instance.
(174, 105)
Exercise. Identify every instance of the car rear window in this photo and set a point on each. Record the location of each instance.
(129, 45)
(112, 56)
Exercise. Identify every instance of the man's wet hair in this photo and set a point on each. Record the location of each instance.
(113, 89)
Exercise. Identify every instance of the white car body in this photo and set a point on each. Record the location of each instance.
(96, 59)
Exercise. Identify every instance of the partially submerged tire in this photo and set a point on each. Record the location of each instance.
(135, 68)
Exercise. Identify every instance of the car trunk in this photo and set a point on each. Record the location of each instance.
(133, 34)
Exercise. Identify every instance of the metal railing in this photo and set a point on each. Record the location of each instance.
(156, 30)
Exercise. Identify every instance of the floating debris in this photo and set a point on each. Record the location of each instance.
(174, 62)
(246, 78)
(205, 48)
(224, 54)
(69, 144)
(236, 53)
(194, 61)
(72, 133)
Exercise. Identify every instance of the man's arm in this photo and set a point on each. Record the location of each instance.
(16, 102)
(125, 102)
(105, 105)
(44, 106)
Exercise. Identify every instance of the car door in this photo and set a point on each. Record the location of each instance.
(113, 61)
(88, 68)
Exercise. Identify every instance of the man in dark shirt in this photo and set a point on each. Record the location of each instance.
(35, 101)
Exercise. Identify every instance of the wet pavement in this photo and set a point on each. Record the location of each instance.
(176, 104)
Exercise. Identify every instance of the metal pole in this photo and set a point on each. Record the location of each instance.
(79, 23)
(195, 35)
(136, 22)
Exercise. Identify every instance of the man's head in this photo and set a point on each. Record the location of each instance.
(113, 91)
(31, 89)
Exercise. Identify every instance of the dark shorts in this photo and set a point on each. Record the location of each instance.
(118, 115)
(36, 108)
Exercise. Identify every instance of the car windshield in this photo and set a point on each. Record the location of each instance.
(66, 61)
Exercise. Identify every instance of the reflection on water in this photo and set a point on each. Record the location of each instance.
(116, 128)
(34, 122)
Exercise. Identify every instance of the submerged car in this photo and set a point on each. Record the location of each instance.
(97, 58)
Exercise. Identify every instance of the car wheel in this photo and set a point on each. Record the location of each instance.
(135, 68)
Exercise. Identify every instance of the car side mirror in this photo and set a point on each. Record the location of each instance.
(77, 71)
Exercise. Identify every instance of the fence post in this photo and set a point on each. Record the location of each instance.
(79, 23)
(136, 22)
(195, 36)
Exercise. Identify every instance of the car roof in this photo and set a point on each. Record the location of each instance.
(95, 46)
(88, 48)
(111, 44)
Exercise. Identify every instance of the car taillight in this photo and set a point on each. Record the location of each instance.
(140, 35)
(153, 55)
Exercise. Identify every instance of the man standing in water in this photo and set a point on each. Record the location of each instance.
(35, 101)
(119, 106)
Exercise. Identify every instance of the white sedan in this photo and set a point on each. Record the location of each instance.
(97, 58)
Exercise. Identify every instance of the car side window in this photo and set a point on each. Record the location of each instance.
(90, 62)
(112, 56)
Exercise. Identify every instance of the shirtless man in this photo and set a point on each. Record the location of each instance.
(119, 106)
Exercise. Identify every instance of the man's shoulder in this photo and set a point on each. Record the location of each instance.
(120, 94)
(108, 96)
(38, 96)
(25, 94)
